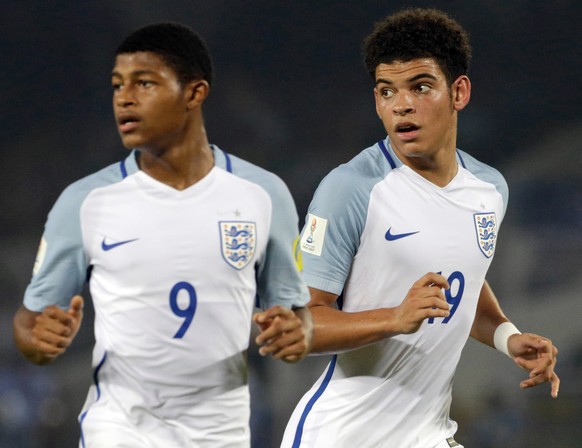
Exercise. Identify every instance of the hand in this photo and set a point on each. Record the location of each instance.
(424, 300)
(286, 334)
(54, 329)
(538, 356)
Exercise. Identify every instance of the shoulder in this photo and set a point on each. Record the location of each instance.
(268, 181)
(354, 180)
(74, 195)
(485, 173)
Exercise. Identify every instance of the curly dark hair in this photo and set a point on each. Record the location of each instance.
(415, 33)
(178, 45)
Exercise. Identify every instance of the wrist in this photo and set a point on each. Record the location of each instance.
(501, 336)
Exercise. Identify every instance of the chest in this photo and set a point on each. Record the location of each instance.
(137, 238)
(417, 226)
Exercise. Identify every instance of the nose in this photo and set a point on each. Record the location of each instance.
(403, 104)
(123, 97)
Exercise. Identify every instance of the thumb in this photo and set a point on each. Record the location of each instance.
(76, 306)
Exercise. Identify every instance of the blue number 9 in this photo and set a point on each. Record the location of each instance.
(186, 313)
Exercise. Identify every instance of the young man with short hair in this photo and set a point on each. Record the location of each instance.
(396, 246)
(178, 241)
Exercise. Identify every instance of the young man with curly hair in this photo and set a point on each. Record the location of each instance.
(396, 247)
(178, 241)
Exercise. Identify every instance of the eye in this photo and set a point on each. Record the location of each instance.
(145, 83)
(423, 88)
(116, 86)
(386, 93)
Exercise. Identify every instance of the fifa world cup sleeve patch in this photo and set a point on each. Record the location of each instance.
(40, 254)
(314, 235)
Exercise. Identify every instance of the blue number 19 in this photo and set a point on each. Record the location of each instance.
(186, 313)
(453, 300)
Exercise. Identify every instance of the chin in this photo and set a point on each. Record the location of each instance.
(130, 142)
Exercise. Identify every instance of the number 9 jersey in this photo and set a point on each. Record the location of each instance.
(174, 277)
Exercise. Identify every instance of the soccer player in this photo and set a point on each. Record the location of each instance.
(178, 242)
(396, 246)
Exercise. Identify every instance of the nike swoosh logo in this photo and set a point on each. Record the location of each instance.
(396, 236)
(107, 247)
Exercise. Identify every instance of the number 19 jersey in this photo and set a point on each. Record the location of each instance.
(374, 228)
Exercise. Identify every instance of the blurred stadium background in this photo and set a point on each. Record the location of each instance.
(291, 94)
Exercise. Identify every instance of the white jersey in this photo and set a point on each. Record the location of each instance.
(375, 227)
(174, 278)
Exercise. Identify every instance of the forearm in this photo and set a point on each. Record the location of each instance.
(488, 317)
(336, 331)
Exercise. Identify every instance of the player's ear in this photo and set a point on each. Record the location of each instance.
(196, 92)
(461, 92)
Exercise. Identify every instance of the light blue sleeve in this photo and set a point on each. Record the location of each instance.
(342, 198)
(278, 279)
(63, 270)
(487, 174)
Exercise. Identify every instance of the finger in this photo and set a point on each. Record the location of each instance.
(433, 279)
(542, 345)
(430, 301)
(76, 307)
(293, 353)
(542, 365)
(533, 365)
(435, 312)
(276, 331)
(57, 314)
(47, 349)
(286, 346)
(272, 313)
(281, 340)
(46, 323)
(555, 382)
(51, 343)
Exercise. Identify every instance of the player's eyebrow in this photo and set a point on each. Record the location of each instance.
(135, 73)
(409, 80)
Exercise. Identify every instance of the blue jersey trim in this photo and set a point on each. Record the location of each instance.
(228, 161)
(461, 159)
(386, 154)
(96, 381)
(318, 393)
(96, 374)
(123, 169)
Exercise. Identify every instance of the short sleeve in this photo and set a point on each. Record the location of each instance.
(60, 268)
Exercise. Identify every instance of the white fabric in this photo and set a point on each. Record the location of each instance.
(501, 336)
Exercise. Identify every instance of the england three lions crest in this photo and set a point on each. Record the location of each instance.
(237, 242)
(486, 227)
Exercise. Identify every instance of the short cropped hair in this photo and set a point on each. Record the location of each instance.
(416, 33)
(178, 45)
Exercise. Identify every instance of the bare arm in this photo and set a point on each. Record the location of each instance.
(285, 334)
(336, 331)
(42, 337)
(488, 316)
(533, 353)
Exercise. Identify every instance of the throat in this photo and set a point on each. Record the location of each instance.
(177, 172)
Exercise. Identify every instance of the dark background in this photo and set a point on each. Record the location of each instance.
(291, 94)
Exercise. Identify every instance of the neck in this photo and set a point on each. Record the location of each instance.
(181, 164)
(439, 170)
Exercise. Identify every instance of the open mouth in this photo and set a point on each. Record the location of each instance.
(406, 127)
(127, 122)
(407, 131)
